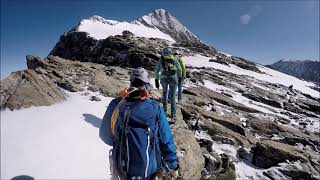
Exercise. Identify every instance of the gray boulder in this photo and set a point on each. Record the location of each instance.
(23, 89)
(263, 96)
(268, 153)
(95, 98)
(93, 88)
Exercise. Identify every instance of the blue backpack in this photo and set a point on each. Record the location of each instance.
(136, 146)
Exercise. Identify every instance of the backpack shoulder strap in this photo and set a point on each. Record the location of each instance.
(115, 116)
(156, 135)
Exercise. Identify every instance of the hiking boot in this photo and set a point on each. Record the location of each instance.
(165, 108)
(169, 115)
(172, 120)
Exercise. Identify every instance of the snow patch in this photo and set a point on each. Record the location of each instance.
(55, 142)
(228, 55)
(100, 28)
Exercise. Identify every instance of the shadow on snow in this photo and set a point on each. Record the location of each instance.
(92, 119)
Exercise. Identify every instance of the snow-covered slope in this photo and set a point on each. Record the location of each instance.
(55, 142)
(165, 22)
(100, 28)
(157, 24)
(269, 75)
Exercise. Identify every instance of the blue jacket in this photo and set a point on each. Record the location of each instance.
(165, 137)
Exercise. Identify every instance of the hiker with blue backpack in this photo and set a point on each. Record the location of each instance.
(168, 70)
(137, 128)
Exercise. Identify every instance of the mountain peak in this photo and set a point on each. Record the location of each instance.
(160, 11)
(100, 28)
(99, 19)
(167, 23)
(159, 24)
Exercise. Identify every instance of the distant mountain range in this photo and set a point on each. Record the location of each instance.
(304, 69)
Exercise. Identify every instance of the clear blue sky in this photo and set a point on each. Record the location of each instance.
(262, 31)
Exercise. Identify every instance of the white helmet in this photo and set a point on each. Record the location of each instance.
(140, 73)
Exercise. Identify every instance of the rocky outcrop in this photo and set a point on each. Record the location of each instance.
(219, 60)
(223, 99)
(201, 110)
(222, 58)
(39, 85)
(23, 89)
(125, 50)
(192, 48)
(260, 95)
(75, 76)
(309, 105)
(268, 153)
(190, 156)
(244, 64)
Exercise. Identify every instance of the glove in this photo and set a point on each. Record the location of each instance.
(157, 83)
(179, 80)
(174, 173)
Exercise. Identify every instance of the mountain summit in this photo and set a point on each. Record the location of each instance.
(157, 24)
(165, 22)
(101, 28)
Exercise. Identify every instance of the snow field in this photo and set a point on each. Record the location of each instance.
(55, 142)
(270, 75)
(102, 29)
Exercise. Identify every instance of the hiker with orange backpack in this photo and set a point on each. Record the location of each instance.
(168, 70)
(137, 128)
